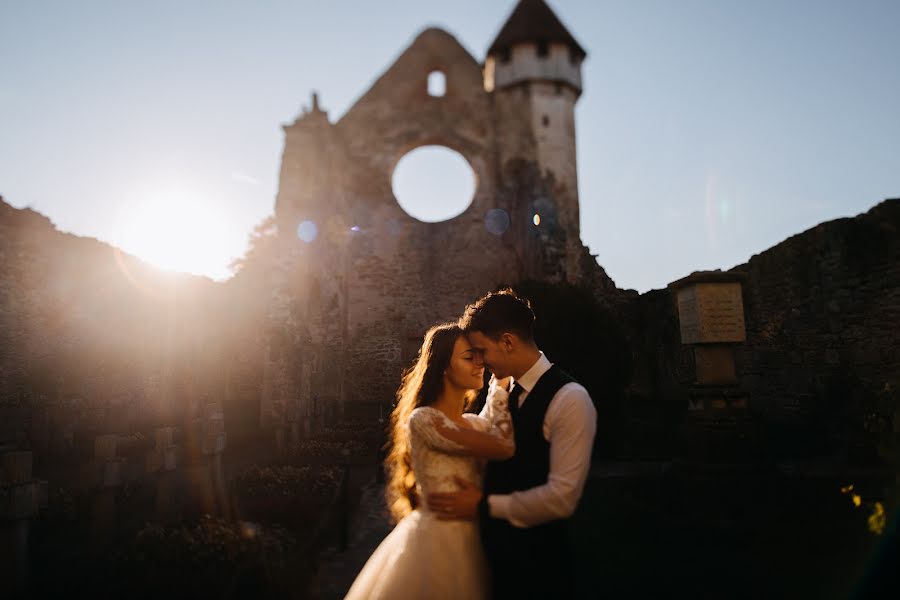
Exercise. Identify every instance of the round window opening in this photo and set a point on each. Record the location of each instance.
(433, 183)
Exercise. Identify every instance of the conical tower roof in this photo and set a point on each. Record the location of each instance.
(534, 21)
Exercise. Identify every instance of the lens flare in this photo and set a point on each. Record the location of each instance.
(178, 230)
(307, 231)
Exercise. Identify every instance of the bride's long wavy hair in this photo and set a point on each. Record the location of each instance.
(421, 385)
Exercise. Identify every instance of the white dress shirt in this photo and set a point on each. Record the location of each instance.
(569, 426)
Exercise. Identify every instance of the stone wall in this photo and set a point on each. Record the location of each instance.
(822, 312)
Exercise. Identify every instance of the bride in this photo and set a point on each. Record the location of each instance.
(435, 446)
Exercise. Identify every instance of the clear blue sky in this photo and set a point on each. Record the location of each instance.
(709, 130)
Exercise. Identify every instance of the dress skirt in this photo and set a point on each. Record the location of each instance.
(425, 557)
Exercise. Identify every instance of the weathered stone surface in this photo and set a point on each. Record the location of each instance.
(109, 473)
(105, 447)
(822, 333)
(715, 365)
(164, 437)
(20, 501)
(164, 459)
(16, 467)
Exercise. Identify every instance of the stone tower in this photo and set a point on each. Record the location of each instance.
(533, 70)
(360, 280)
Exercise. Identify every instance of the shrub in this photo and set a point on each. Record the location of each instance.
(211, 559)
(287, 481)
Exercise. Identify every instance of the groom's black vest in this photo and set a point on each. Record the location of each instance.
(527, 560)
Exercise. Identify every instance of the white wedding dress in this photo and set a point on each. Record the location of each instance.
(425, 557)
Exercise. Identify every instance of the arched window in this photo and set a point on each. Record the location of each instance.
(437, 84)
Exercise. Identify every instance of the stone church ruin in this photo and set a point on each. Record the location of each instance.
(374, 278)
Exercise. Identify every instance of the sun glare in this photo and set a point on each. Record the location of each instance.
(178, 232)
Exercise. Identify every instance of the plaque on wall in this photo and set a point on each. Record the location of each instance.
(711, 313)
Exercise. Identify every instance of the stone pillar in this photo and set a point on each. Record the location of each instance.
(214, 447)
(39, 433)
(61, 421)
(281, 439)
(204, 446)
(711, 319)
(21, 496)
(104, 478)
(293, 425)
(161, 461)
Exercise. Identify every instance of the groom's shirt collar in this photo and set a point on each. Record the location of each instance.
(531, 376)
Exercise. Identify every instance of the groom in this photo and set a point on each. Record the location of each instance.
(527, 499)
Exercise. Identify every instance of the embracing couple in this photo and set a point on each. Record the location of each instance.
(482, 501)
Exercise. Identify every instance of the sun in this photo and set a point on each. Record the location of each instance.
(178, 231)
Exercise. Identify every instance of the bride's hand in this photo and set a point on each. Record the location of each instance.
(503, 384)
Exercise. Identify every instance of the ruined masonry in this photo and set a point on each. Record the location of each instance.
(350, 306)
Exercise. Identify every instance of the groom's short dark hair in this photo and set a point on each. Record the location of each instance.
(500, 312)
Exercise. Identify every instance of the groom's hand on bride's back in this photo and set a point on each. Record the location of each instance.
(459, 505)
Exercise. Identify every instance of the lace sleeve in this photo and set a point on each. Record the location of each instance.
(441, 433)
(422, 425)
(500, 418)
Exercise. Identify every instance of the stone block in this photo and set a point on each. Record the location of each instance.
(19, 501)
(214, 444)
(108, 473)
(16, 467)
(66, 438)
(715, 365)
(164, 437)
(161, 460)
(214, 425)
(43, 493)
(118, 418)
(105, 447)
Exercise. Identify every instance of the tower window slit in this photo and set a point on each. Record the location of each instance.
(437, 84)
